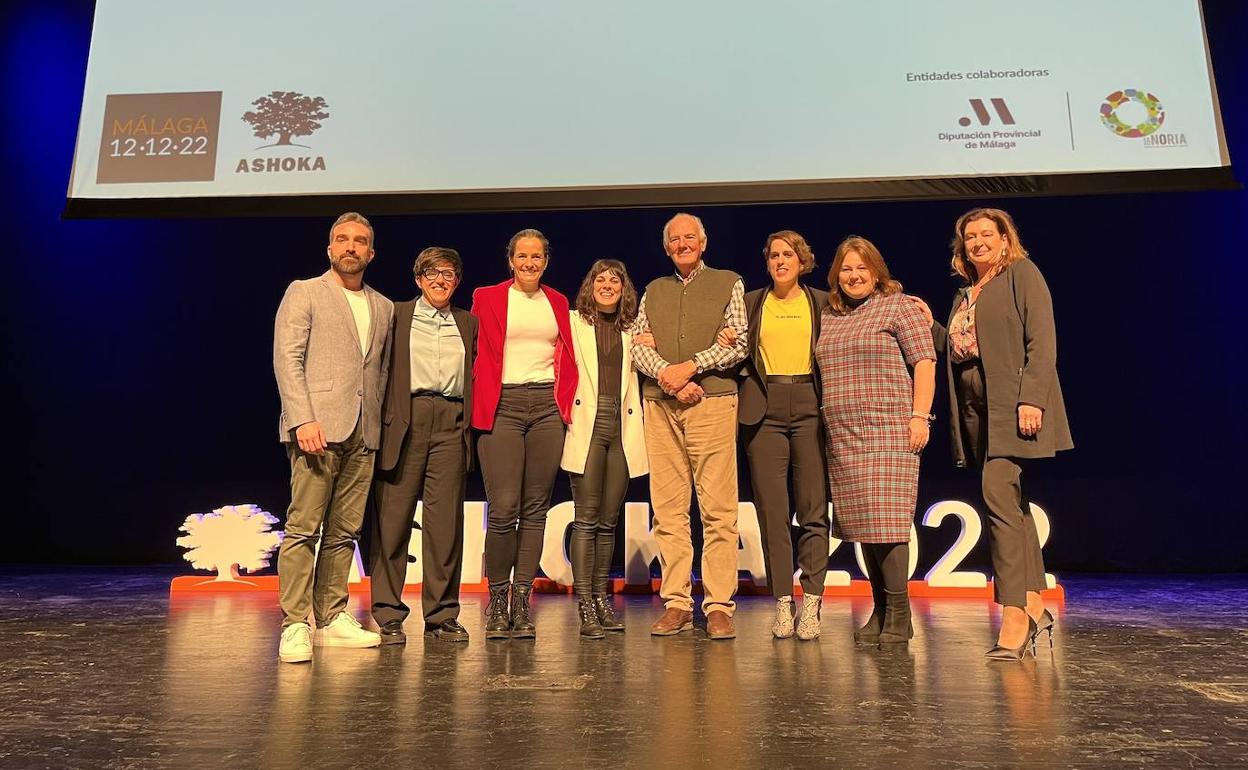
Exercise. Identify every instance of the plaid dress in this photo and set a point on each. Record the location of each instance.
(864, 361)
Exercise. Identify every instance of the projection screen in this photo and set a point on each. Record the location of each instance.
(294, 106)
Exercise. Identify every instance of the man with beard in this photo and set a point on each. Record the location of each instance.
(690, 421)
(426, 450)
(331, 342)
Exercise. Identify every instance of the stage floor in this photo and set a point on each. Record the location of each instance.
(101, 669)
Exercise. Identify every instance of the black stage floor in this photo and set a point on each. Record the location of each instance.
(101, 669)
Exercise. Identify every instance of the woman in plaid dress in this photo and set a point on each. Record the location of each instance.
(877, 416)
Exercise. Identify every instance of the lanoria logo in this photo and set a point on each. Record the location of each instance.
(1156, 114)
(285, 115)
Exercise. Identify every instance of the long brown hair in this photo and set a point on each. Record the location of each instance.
(871, 257)
(1014, 250)
(626, 311)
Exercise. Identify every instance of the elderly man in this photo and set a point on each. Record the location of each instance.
(330, 344)
(425, 451)
(690, 425)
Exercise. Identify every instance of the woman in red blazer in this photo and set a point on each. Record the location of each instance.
(524, 380)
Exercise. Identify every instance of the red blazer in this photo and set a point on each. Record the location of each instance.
(489, 305)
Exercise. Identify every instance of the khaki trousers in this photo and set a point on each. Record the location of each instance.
(694, 445)
(327, 497)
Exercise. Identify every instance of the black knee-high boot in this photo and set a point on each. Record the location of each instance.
(870, 633)
(894, 560)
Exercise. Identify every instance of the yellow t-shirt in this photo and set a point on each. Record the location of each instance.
(784, 339)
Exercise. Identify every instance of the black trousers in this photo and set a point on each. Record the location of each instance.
(519, 460)
(431, 467)
(597, 496)
(789, 437)
(1017, 563)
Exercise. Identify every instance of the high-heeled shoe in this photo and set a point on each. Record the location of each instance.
(1016, 653)
(1044, 623)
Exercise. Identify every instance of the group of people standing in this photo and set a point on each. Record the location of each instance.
(831, 391)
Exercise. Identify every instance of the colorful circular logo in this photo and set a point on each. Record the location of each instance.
(1109, 113)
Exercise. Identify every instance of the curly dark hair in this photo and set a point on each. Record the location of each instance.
(626, 310)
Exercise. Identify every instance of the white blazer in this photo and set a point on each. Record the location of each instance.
(585, 404)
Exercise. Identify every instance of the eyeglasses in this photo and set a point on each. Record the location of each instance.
(433, 273)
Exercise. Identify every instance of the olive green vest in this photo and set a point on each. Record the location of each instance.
(685, 319)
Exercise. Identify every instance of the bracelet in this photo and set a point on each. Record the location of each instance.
(928, 417)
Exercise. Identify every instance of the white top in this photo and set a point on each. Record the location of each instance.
(359, 309)
(529, 351)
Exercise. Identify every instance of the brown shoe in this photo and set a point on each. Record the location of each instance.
(673, 622)
(719, 625)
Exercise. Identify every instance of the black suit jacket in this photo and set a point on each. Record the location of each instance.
(396, 409)
(752, 400)
(1018, 351)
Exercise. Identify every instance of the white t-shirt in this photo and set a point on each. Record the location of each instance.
(529, 350)
(359, 309)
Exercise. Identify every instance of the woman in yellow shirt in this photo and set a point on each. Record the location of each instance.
(779, 415)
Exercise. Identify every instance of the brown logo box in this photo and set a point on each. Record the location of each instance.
(159, 137)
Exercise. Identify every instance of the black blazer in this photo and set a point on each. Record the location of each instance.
(396, 409)
(752, 398)
(1018, 351)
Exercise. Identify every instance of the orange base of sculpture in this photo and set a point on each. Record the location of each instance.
(189, 584)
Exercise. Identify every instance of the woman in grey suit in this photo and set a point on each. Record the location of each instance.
(1006, 404)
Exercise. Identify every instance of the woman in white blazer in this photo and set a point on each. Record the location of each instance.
(604, 446)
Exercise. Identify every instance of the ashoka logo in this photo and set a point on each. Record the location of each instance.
(1156, 114)
(286, 115)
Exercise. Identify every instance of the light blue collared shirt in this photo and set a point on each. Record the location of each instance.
(437, 351)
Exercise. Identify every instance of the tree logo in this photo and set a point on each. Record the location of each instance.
(286, 115)
(230, 538)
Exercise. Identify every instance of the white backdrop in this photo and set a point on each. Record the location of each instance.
(478, 95)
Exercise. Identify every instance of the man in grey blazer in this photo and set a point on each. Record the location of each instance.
(330, 344)
(426, 451)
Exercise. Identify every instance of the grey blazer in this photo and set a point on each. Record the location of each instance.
(752, 402)
(321, 374)
(1018, 350)
(396, 413)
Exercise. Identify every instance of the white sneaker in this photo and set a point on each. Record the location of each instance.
(782, 626)
(345, 631)
(808, 626)
(296, 644)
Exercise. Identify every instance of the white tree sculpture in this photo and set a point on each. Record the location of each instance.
(230, 538)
